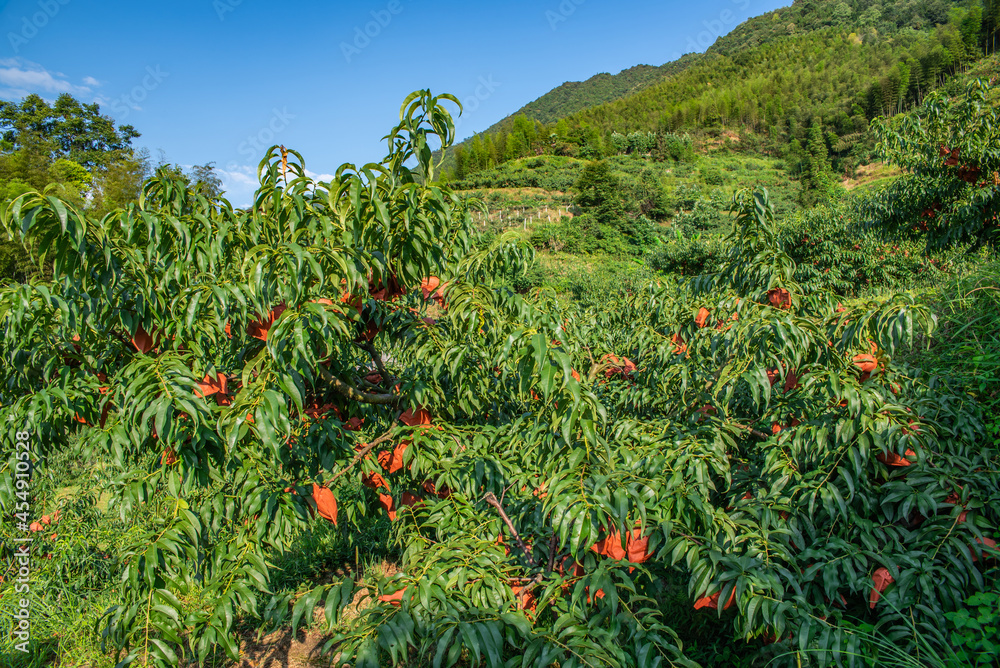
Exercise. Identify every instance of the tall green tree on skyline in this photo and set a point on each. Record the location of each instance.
(74, 130)
(71, 150)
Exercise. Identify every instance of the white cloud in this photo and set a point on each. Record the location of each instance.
(239, 182)
(19, 78)
(320, 177)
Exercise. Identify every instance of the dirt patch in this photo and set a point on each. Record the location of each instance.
(305, 649)
(281, 650)
(711, 144)
(867, 174)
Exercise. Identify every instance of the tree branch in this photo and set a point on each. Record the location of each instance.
(759, 434)
(491, 499)
(126, 342)
(594, 366)
(361, 455)
(377, 359)
(552, 555)
(355, 394)
(363, 384)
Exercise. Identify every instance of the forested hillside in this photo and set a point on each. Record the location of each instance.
(574, 96)
(835, 65)
(871, 19)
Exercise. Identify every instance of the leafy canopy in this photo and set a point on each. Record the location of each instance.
(548, 467)
(950, 149)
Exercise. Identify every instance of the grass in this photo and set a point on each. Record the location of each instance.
(870, 176)
(76, 574)
(966, 349)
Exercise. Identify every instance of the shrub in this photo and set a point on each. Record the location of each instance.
(712, 176)
(580, 235)
(670, 146)
(689, 255)
(705, 216)
(612, 282)
(687, 195)
(553, 174)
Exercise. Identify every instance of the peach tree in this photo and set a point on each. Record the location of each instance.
(949, 150)
(547, 468)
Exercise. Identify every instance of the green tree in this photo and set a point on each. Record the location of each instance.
(991, 24)
(651, 197)
(29, 160)
(950, 193)
(119, 183)
(205, 181)
(842, 13)
(516, 146)
(870, 18)
(525, 127)
(599, 192)
(78, 132)
(817, 181)
(591, 143)
(461, 162)
(68, 149)
(971, 26)
(72, 181)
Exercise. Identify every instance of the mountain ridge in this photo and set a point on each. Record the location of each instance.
(572, 96)
(880, 16)
(832, 63)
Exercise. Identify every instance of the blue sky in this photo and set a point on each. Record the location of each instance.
(221, 80)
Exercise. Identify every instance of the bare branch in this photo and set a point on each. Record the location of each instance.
(491, 499)
(355, 394)
(361, 455)
(377, 359)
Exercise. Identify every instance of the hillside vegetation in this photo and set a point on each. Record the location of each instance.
(574, 96)
(833, 65)
(707, 375)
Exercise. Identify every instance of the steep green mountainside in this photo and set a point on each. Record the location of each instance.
(865, 17)
(871, 16)
(574, 96)
(835, 64)
(826, 73)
